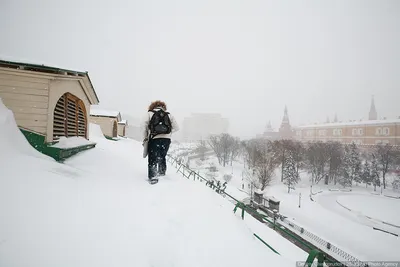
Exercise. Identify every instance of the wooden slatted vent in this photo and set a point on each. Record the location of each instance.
(59, 119)
(69, 117)
(81, 122)
(115, 129)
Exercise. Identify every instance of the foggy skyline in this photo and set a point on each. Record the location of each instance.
(245, 60)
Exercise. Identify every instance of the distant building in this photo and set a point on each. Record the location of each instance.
(122, 127)
(373, 115)
(269, 133)
(107, 119)
(368, 132)
(285, 131)
(359, 132)
(201, 125)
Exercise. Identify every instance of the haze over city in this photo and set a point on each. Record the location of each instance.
(244, 60)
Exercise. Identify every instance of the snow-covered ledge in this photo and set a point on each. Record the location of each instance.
(71, 142)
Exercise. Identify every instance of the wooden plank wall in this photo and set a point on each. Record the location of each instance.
(27, 97)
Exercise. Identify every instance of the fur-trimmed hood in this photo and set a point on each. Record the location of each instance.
(158, 104)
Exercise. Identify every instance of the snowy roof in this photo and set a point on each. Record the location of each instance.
(104, 112)
(259, 191)
(26, 62)
(273, 198)
(350, 123)
(122, 122)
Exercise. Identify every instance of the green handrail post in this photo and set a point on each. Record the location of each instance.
(265, 243)
(315, 253)
(241, 206)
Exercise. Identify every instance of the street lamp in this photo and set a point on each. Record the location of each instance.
(299, 199)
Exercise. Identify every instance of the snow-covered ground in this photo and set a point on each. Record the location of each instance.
(97, 209)
(351, 230)
(373, 206)
(327, 219)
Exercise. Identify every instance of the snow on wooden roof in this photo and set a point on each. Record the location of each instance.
(104, 112)
(350, 123)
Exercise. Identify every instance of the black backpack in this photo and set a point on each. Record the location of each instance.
(160, 123)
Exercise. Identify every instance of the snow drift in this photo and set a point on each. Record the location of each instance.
(12, 141)
(97, 209)
(95, 131)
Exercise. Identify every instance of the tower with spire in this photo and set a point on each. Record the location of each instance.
(268, 128)
(285, 131)
(373, 115)
(269, 133)
(327, 120)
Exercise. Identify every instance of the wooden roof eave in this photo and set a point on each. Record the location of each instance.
(35, 70)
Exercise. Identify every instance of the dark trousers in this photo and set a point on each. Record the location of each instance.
(157, 151)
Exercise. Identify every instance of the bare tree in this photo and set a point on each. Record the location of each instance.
(335, 160)
(215, 144)
(385, 155)
(201, 149)
(298, 150)
(227, 141)
(235, 149)
(251, 152)
(223, 145)
(265, 163)
(317, 158)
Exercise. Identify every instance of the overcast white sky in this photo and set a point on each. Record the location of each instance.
(243, 59)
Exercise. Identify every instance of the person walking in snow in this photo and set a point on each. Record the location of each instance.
(158, 126)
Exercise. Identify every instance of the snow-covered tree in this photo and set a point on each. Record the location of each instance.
(290, 174)
(281, 149)
(396, 183)
(375, 173)
(351, 170)
(366, 176)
